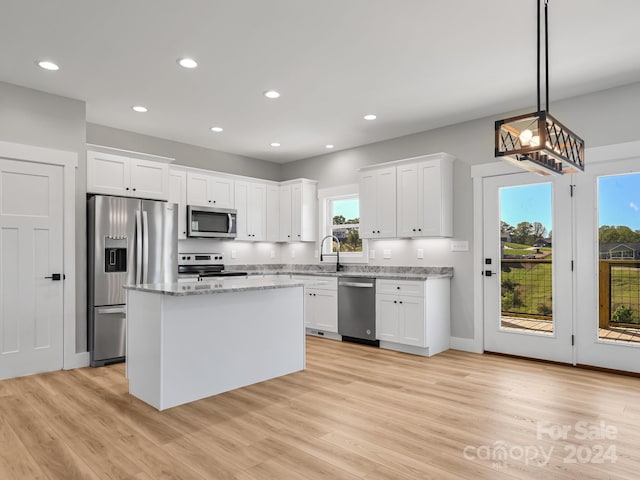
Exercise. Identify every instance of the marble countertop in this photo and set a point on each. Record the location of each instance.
(220, 285)
(390, 273)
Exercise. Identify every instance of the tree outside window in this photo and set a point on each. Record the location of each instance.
(344, 223)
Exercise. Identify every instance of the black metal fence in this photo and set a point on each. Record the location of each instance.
(527, 288)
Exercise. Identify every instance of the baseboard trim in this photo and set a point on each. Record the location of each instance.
(466, 345)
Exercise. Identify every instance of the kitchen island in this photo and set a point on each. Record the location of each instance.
(187, 341)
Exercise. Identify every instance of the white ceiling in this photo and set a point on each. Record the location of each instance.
(416, 64)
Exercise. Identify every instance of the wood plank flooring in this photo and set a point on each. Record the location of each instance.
(356, 412)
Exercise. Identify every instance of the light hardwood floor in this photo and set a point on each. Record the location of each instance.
(356, 412)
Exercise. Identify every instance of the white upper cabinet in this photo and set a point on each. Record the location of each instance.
(299, 211)
(111, 174)
(378, 203)
(273, 213)
(205, 190)
(251, 204)
(178, 194)
(285, 213)
(425, 197)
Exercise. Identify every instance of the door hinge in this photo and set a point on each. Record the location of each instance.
(571, 187)
(573, 340)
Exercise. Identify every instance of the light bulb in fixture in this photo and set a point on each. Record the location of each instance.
(275, 144)
(370, 116)
(140, 109)
(47, 65)
(216, 129)
(271, 94)
(525, 137)
(187, 63)
(329, 146)
(535, 141)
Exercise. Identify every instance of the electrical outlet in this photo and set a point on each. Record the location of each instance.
(420, 253)
(272, 254)
(315, 253)
(372, 254)
(293, 253)
(459, 246)
(386, 253)
(234, 254)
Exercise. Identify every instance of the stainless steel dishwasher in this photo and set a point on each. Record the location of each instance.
(357, 310)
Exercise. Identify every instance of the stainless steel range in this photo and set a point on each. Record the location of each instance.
(197, 266)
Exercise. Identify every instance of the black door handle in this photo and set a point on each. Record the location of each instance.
(488, 273)
(55, 276)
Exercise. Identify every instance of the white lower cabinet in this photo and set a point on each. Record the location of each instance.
(320, 303)
(413, 316)
(321, 309)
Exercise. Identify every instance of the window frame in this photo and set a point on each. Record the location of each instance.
(326, 198)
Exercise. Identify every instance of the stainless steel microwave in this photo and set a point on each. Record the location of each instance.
(209, 222)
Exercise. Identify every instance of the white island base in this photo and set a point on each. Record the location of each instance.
(183, 347)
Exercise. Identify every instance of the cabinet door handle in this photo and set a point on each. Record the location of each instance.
(414, 229)
(419, 229)
(395, 301)
(127, 188)
(398, 288)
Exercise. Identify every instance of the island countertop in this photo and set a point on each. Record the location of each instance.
(220, 285)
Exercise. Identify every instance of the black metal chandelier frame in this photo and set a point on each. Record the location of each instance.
(537, 141)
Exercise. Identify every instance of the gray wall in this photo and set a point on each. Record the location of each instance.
(602, 118)
(184, 154)
(36, 118)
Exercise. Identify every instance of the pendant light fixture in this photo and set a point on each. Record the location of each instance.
(536, 141)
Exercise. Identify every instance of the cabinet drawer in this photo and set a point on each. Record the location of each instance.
(400, 287)
(318, 282)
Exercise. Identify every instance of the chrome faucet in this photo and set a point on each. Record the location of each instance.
(337, 254)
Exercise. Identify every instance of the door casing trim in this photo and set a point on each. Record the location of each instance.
(69, 163)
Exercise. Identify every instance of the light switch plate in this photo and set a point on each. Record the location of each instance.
(234, 254)
(420, 253)
(386, 253)
(459, 246)
(372, 254)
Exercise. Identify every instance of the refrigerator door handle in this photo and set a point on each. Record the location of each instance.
(145, 246)
(109, 310)
(138, 248)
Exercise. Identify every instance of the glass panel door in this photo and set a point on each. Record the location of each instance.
(527, 266)
(608, 328)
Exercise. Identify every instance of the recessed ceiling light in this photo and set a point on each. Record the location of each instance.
(139, 109)
(329, 146)
(275, 144)
(216, 129)
(47, 65)
(271, 94)
(370, 116)
(187, 62)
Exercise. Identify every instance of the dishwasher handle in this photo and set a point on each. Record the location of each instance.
(355, 284)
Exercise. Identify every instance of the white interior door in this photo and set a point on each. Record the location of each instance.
(528, 306)
(608, 265)
(31, 249)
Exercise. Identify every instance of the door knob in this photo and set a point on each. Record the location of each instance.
(55, 277)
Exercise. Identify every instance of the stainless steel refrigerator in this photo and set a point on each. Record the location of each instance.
(130, 241)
